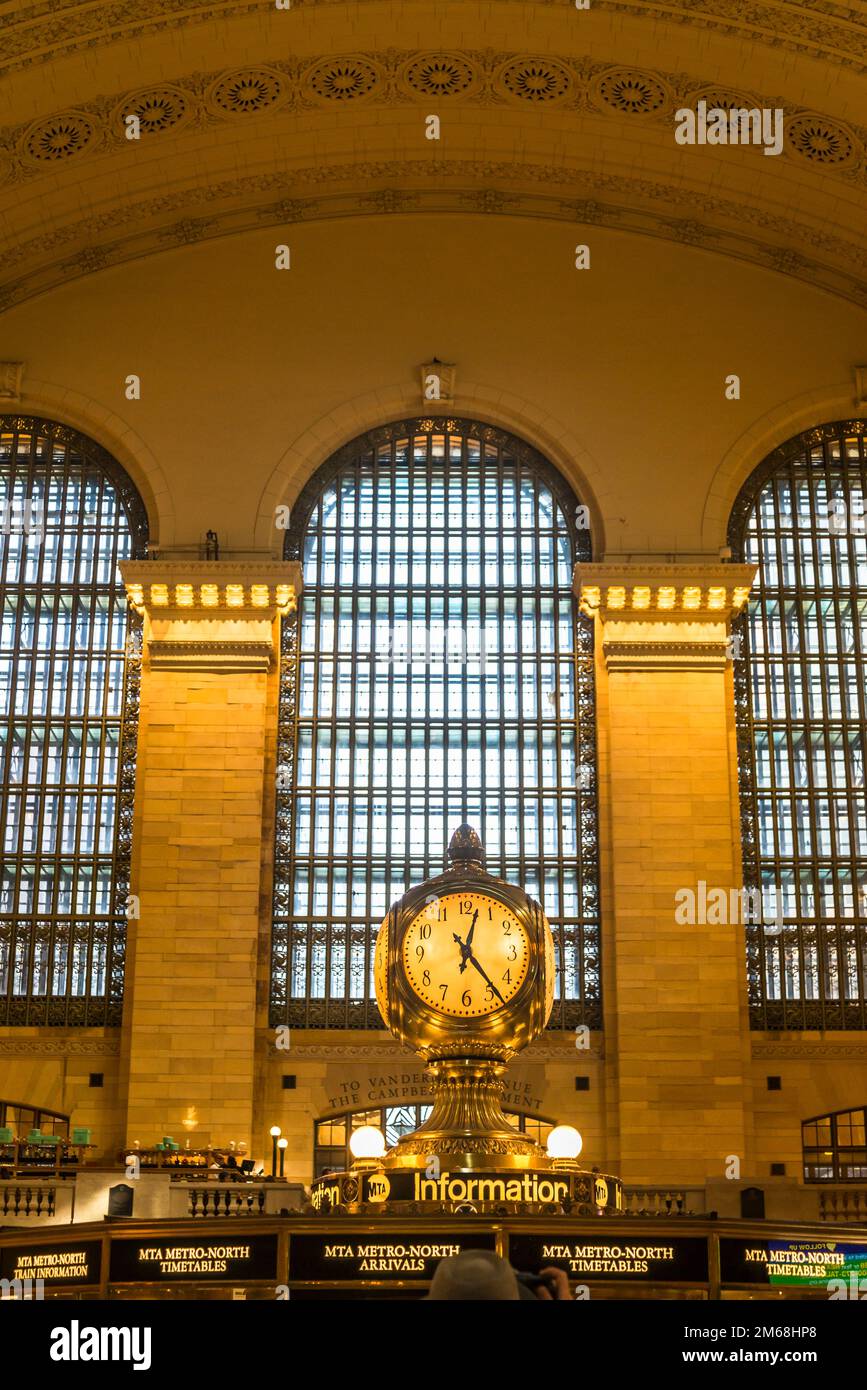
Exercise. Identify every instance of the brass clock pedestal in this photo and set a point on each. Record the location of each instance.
(466, 1128)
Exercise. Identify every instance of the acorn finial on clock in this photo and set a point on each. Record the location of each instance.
(465, 847)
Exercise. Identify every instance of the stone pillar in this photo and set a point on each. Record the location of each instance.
(675, 1018)
(211, 648)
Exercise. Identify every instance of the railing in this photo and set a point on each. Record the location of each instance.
(843, 1204)
(261, 1197)
(25, 1200)
(225, 1202)
(663, 1201)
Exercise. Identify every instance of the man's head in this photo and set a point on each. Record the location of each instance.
(474, 1275)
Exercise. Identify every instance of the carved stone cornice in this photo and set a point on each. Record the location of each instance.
(542, 1051)
(211, 615)
(209, 588)
(814, 1051)
(62, 1047)
(211, 656)
(664, 616)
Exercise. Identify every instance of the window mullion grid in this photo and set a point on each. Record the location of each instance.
(426, 791)
(457, 478)
(832, 663)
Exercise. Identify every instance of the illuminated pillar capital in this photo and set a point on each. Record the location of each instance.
(664, 616)
(211, 615)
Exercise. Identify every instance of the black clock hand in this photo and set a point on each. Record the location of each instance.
(467, 953)
(489, 982)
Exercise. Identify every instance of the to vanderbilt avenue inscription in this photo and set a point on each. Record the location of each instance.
(397, 1087)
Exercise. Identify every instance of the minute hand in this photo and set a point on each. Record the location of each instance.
(488, 981)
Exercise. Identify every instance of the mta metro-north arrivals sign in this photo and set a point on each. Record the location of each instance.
(384, 1256)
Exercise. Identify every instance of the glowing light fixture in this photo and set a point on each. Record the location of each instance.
(692, 596)
(184, 595)
(367, 1143)
(210, 595)
(259, 595)
(716, 597)
(592, 595)
(666, 596)
(641, 596)
(285, 598)
(235, 595)
(564, 1144)
(160, 595)
(616, 596)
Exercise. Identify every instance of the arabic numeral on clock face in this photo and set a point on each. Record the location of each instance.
(467, 999)
(507, 929)
(424, 931)
(508, 977)
(425, 979)
(419, 953)
(444, 989)
(513, 951)
(466, 906)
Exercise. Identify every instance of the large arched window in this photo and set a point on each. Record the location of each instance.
(437, 671)
(801, 689)
(68, 723)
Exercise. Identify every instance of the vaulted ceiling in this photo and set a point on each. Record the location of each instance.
(307, 126)
(253, 116)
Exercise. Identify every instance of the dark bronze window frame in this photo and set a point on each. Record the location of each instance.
(836, 1156)
(826, 1011)
(583, 933)
(66, 1009)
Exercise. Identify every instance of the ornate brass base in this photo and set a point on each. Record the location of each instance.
(466, 1128)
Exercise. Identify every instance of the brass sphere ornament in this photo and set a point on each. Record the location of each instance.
(464, 974)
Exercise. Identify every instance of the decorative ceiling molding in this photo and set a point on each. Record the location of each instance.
(51, 29)
(203, 101)
(583, 196)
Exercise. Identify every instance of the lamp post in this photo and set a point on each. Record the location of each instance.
(275, 1133)
(282, 1145)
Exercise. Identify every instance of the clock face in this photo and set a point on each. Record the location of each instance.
(465, 954)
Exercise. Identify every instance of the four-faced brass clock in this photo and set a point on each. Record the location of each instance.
(465, 962)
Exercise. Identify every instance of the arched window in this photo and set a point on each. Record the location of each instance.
(801, 693)
(68, 723)
(437, 671)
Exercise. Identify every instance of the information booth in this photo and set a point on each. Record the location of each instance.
(351, 1257)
